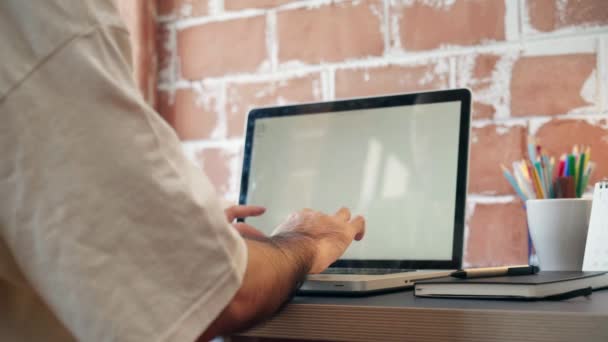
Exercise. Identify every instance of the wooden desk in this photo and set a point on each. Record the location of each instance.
(403, 317)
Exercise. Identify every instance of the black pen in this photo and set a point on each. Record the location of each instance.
(495, 271)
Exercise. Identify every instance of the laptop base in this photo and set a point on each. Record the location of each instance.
(353, 293)
(333, 284)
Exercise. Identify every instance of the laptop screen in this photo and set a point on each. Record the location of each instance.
(397, 166)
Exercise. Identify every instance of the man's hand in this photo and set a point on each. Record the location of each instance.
(243, 211)
(307, 242)
(330, 235)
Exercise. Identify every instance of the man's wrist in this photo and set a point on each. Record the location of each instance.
(299, 249)
(275, 268)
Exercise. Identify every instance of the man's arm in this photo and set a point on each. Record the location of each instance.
(270, 278)
(307, 243)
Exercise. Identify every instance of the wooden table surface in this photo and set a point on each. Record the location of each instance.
(402, 317)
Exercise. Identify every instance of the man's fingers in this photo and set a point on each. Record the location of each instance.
(359, 224)
(243, 211)
(343, 214)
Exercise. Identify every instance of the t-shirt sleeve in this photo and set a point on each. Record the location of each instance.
(121, 235)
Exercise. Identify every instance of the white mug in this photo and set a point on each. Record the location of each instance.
(558, 228)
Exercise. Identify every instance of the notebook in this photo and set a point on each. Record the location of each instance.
(543, 285)
(596, 249)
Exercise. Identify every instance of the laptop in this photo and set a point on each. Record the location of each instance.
(400, 161)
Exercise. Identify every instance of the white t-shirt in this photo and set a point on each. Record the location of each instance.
(107, 231)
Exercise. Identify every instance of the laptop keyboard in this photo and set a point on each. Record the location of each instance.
(366, 271)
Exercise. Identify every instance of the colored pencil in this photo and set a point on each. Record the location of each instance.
(531, 151)
(580, 175)
(537, 181)
(524, 185)
(513, 182)
(560, 168)
(533, 184)
(541, 178)
(588, 174)
(571, 165)
(544, 176)
(588, 154)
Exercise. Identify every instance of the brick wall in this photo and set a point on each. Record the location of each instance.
(535, 66)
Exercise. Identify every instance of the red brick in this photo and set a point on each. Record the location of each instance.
(492, 146)
(389, 79)
(482, 111)
(243, 97)
(483, 69)
(163, 54)
(480, 80)
(558, 137)
(542, 14)
(191, 117)
(216, 163)
(549, 85)
(182, 8)
(473, 69)
(547, 15)
(423, 26)
(235, 5)
(224, 47)
(164, 7)
(331, 33)
(497, 235)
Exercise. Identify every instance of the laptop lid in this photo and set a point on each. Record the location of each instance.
(399, 160)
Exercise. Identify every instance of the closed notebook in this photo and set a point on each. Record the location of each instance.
(544, 285)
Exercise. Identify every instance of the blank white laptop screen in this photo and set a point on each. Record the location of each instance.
(396, 166)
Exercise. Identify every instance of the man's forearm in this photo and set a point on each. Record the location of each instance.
(274, 267)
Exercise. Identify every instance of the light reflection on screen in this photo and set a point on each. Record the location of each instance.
(396, 166)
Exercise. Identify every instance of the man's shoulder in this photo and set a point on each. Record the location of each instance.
(36, 29)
